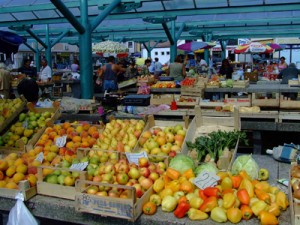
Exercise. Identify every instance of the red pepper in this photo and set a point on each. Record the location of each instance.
(202, 195)
(182, 209)
(243, 196)
(212, 191)
(209, 204)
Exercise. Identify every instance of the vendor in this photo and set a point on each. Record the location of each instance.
(46, 73)
(131, 71)
(226, 69)
(5, 81)
(177, 69)
(282, 64)
(109, 74)
(29, 89)
(289, 73)
(27, 69)
(145, 68)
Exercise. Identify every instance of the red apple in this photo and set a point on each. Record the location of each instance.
(156, 130)
(144, 171)
(161, 140)
(133, 181)
(122, 178)
(161, 165)
(141, 178)
(113, 193)
(165, 148)
(142, 140)
(137, 133)
(170, 137)
(152, 167)
(179, 137)
(101, 193)
(153, 176)
(146, 183)
(172, 154)
(138, 190)
(134, 173)
(143, 162)
(175, 148)
(123, 168)
(161, 134)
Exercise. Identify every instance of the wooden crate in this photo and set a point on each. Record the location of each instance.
(252, 76)
(24, 188)
(192, 91)
(187, 103)
(294, 206)
(56, 190)
(213, 123)
(241, 84)
(238, 101)
(287, 103)
(161, 99)
(289, 116)
(266, 102)
(129, 208)
(10, 119)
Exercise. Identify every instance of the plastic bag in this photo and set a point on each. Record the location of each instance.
(144, 89)
(47, 103)
(19, 214)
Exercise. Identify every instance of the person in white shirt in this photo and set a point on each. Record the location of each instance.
(46, 73)
(157, 68)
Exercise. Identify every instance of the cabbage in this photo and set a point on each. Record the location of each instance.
(229, 83)
(209, 167)
(247, 163)
(182, 163)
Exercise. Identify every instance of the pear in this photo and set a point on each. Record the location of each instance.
(28, 133)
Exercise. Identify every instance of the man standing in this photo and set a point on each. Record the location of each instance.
(46, 73)
(109, 73)
(5, 79)
(27, 69)
(157, 68)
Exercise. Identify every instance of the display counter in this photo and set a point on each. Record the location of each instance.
(63, 210)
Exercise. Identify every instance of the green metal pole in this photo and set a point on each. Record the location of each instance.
(37, 57)
(166, 29)
(36, 38)
(173, 47)
(85, 56)
(48, 49)
(207, 38)
(147, 48)
(223, 47)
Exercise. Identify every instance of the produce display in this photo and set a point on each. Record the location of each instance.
(211, 147)
(120, 135)
(8, 107)
(187, 99)
(24, 128)
(233, 197)
(162, 140)
(295, 182)
(188, 81)
(164, 84)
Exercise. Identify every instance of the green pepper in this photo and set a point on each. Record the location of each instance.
(218, 214)
(195, 214)
(169, 203)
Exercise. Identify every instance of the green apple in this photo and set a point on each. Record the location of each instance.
(51, 178)
(61, 179)
(57, 172)
(22, 117)
(177, 128)
(84, 159)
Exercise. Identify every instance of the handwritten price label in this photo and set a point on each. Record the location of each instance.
(61, 141)
(40, 157)
(134, 157)
(206, 179)
(79, 166)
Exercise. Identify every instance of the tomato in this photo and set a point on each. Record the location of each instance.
(149, 208)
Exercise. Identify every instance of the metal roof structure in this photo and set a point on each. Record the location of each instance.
(141, 20)
(83, 21)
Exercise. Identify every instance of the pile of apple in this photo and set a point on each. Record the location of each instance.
(8, 107)
(141, 177)
(120, 135)
(163, 141)
(24, 128)
(14, 168)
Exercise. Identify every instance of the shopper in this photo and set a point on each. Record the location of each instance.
(109, 74)
(289, 73)
(157, 68)
(282, 64)
(5, 81)
(29, 89)
(75, 66)
(226, 69)
(27, 69)
(46, 73)
(177, 69)
(145, 67)
(131, 71)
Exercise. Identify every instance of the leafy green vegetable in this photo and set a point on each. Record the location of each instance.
(247, 163)
(210, 167)
(182, 163)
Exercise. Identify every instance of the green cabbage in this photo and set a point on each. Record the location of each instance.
(247, 163)
(181, 163)
(206, 167)
(229, 83)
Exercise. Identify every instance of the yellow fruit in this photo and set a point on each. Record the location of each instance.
(11, 185)
(2, 183)
(47, 171)
(54, 148)
(18, 177)
(18, 162)
(36, 163)
(22, 168)
(10, 171)
(3, 165)
(28, 133)
(13, 156)
(32, 179)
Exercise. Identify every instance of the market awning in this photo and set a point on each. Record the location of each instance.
(10, 42)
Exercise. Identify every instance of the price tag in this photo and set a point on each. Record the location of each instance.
(61, 141)
(206, 179)
(25, 124)
(79, 166)
(40, 157)
(134, 157)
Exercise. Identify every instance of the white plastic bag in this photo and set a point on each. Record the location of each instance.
(19, 214)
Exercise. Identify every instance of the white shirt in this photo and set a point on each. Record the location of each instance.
(203, 62)
(45, 73)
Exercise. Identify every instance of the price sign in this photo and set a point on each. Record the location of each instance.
(134, 157)
(79, 166)
(206, 179)
(25, 124)
(61, 141)
(40, 157)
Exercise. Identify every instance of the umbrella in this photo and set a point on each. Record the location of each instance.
(195, 45)
(253, 47)
(9, 42)
(276, 47)
(109, 47)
